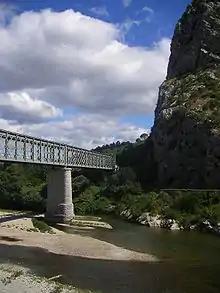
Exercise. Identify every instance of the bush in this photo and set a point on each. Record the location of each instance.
(41, 226)
(91, 201)
(211, 213)
(31, 199)
(103, 205)
(85, 203)
(80, 183)
(141, 203)
(172, 214)
(18, 193)
(187, 220)
(193, 208)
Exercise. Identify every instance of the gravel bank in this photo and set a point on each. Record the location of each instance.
(31, 260)
(14, 278)
(20, 221)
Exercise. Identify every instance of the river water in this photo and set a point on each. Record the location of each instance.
(189, 262)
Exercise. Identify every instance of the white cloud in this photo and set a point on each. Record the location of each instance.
(22, 108)
(128, 23)
(147, 14)
(127, 3)
(148, 9)
(100, 11)
(85, 131)
(77, 68)
(126, 26)
(52, 61)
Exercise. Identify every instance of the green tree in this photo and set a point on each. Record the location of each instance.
(80, 183)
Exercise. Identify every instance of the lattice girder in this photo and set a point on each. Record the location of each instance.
(16, 147)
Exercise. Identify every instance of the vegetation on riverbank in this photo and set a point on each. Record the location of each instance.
(187, 208)
(95, 192)
(41, 226)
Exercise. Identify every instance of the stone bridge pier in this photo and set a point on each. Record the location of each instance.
(59, 206)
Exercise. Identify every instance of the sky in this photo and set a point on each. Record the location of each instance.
(84, 72)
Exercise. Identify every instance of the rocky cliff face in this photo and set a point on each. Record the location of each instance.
(186, 131)
(196, 38)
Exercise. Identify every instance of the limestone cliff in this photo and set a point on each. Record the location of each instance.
(186, 131)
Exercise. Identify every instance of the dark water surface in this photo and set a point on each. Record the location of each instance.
(189, 262)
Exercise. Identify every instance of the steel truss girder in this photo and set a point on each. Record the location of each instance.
(15, 147)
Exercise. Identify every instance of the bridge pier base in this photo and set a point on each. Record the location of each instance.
(59, 207)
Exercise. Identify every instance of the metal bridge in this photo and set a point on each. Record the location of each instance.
(20, 148)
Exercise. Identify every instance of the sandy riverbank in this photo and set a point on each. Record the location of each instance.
(75, 260)
(17, 221)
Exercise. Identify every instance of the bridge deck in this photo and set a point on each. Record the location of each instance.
(15, 147)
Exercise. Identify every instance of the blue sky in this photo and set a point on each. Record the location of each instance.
(145, 27)
(163, 17)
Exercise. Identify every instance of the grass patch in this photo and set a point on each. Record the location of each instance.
(41, 226)
(11, 211)
(87, 218)
(32, 230)
(16, 212)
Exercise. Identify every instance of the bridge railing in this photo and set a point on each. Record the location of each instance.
(15, 147)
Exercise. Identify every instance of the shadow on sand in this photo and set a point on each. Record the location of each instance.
(10, 239)
(106, 276)
(11, 217)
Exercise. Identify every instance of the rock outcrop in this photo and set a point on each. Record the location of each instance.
(186, 131)
(159, 221)
(151, 221)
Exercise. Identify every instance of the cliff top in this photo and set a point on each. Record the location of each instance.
(195, 44)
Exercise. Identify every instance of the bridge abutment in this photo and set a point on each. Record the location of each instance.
(59, 207)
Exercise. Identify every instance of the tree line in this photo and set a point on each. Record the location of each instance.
(133, 187)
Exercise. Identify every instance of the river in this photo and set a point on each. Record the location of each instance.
(189, 262)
